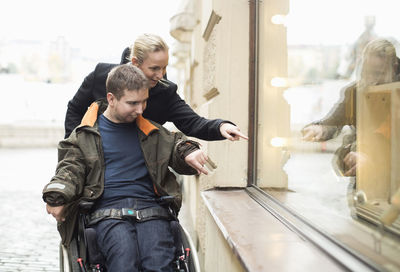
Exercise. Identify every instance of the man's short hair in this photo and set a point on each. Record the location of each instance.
(125, 77)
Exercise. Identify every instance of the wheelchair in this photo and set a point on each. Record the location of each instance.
(83, 255)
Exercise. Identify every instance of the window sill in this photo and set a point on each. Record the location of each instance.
(259, 240)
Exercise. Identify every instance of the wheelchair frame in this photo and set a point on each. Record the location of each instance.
(75, 258)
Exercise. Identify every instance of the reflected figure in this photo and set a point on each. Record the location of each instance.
(355, 54)
(379, 65)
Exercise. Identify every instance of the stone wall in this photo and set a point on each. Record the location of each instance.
(28, 136)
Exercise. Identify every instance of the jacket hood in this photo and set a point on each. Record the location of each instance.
(90, 118)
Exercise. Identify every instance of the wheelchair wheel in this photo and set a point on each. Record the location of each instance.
(194, 265)
(64, 259)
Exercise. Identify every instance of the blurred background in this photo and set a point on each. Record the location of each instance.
(47, 47)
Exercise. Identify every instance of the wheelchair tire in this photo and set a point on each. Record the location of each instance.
(67, 256)
(194, 265)
(64, 266)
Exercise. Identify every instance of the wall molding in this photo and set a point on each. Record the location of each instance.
(212, 21)
(213, 92)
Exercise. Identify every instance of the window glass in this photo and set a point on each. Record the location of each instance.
(328, 117)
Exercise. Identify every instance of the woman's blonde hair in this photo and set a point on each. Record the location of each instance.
(379, 63)
(145, 44)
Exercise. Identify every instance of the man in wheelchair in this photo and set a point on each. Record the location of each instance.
(120, 161)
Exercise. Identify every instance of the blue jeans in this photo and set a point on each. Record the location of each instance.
(132, 246)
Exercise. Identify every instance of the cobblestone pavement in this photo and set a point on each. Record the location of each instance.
(28, 236)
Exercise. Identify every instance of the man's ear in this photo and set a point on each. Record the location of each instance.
(110, 98)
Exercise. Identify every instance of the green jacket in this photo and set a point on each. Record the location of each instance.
(80, 170)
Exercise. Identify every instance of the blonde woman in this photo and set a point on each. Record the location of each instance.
(150, 54)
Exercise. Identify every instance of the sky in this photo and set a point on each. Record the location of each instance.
(104, 28)
(338, 22)
(98, 28)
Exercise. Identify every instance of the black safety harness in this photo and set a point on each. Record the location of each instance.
(131, 213)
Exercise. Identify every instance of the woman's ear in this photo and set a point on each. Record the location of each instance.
(135, 61)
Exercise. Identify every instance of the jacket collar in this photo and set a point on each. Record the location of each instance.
(90, 118)
(145, 125)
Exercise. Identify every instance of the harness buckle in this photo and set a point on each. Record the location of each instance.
(138, 217)
(127, 212)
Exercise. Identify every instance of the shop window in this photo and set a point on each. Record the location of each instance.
(328, 118)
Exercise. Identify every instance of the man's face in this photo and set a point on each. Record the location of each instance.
(154, 66)
(129, 106)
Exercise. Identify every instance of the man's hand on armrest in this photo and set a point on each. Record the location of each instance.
(55, 205)
(56, 212)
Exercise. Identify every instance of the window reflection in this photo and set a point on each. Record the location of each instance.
(344, 143)
(379, 65)
(369, 154)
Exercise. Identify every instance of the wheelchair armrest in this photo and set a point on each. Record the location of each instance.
(85, 206)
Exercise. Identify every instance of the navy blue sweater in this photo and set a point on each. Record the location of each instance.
(126, 173)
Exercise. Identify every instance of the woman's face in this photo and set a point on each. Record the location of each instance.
(154, 66)
(379, 69)
(377, 65)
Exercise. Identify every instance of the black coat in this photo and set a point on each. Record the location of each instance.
(164, 104)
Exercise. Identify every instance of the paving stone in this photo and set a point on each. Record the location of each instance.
(29, 240)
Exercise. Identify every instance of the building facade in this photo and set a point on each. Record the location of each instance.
(279, 201)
